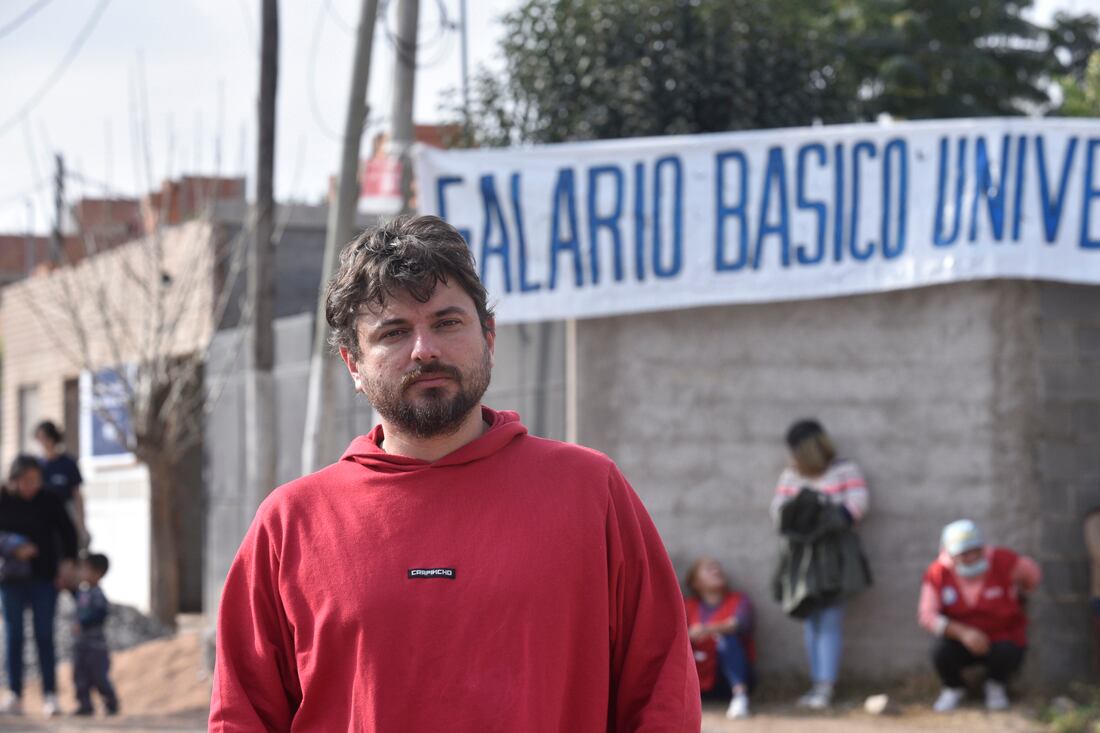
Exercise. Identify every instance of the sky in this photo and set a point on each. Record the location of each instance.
(201, 69)
(200, 63)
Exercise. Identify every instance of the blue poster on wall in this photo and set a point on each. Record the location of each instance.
(108, 398)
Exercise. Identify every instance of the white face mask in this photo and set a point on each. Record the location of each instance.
(972, 570)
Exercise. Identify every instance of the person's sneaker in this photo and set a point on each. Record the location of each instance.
(50, 706)
(739, 707)
(84, 712)
(949, 699)
(996, 697)
(820, 697)
(10, 704)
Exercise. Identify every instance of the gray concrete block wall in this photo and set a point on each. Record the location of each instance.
(1067, 441)
(930, 390)
(529, 376)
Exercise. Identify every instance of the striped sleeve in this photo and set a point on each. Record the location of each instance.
(785, 490)
(850, 489)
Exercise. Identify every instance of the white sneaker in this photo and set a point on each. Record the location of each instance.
(739, 707)
(820, 697)
(50, 706)
(10, 704)
(996, 697)
(949, 699)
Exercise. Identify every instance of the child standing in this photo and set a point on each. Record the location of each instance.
(91, 658)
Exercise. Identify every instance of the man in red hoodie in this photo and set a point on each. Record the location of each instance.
(450, 572)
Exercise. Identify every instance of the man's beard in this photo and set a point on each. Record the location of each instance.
(432, 414)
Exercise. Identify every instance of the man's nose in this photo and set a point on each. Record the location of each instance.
(425, 347)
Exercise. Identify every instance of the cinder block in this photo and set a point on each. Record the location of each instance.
(1075, 302)
(1057, 497)
(1059, 663)
(1061, 460)
(1066, 581)
(1057, 339)
(1068, 380)
(1088, 340)
(1086, 497)
(1060, 539)
(1086, 420)
(1059, 620)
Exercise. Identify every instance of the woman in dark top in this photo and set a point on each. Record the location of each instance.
(41, 520)
(61, 475)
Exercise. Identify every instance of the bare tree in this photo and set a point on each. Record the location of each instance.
(140, 318)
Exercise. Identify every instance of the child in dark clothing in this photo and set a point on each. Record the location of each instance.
(91, 658)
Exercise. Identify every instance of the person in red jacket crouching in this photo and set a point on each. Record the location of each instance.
(720, 627)
(972, 600)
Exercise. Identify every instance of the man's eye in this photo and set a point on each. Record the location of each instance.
(394, 333)
(449, 322)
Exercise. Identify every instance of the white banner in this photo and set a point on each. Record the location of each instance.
(623, 226)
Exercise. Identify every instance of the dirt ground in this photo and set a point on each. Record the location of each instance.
(163, 691)
(160, 684)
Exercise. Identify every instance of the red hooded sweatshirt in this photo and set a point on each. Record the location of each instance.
(517, 584)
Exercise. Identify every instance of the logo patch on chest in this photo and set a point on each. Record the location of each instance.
(420, 573)
(949, 595)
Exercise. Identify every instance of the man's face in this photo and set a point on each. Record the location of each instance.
(424, 366)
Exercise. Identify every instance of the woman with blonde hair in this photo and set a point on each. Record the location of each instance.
(837, 484)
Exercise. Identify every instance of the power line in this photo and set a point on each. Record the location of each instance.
(70, 55)
(23, 17)
(314, 106)
(105, 188)
(24, 194)
(441, 36)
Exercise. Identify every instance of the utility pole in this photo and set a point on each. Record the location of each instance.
(58, 207)
(404, 85)
(260, 422)
(465, 51)
(29, 254)
(324, 374)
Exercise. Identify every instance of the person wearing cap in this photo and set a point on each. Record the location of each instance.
(838, 483)
(972, 601)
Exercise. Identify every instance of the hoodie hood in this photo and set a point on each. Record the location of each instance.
(504, 427)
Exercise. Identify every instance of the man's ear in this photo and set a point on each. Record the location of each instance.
(491, 340)
(353, 368)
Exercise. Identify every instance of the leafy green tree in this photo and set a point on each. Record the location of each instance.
(1081, 96)
(956, 58)
(592, 69)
